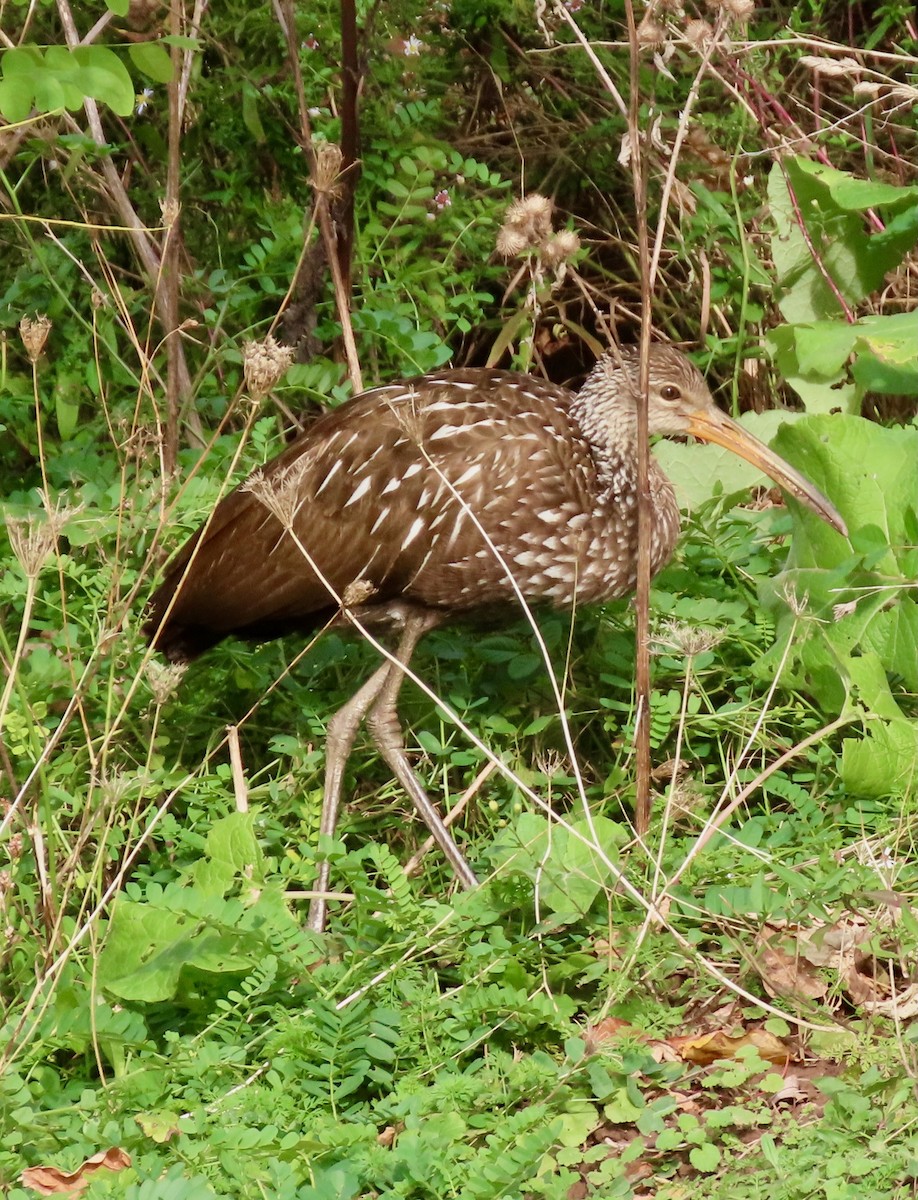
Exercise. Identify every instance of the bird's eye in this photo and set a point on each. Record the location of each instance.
(670, 392)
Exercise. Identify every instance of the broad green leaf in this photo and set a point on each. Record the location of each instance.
(698, 472)
(887, 354)
(569, 872)
(836, 247)
(705, 1158)
(104, 77)
(805, 295)
(576, 873)
(861, 647)
(232, 850)
(148, 946)
(152, 59)
(823, 346)
(884, 762)
(183, 43)
(16, 92)
(21, 62)
(849, 192)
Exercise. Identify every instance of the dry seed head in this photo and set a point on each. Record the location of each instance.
(688, 640)
(551, 763)
(116, 786)
(840, 611)
(162, 680)
(357, 592)
(651, 33)
(831, 66)
(263, 364)
(527, 222)
(32, 541)
(170, 209)
(283, 493)
(559, 248)
(699, 34)
(327, 169)
(99, 299)
(33, 538)
(739, 11)
(796, 603)
(34, 334)
(510, 242)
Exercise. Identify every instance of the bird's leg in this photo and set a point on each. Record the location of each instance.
(386, 731)
(339, 741)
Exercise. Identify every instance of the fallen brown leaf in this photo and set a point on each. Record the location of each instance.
(51, 1181)
(709, 1047)
(787, 975)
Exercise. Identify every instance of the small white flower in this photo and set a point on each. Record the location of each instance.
(143, 101)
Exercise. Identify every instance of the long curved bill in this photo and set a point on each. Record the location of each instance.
(712, 425)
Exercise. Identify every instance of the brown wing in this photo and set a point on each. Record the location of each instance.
(369, 493)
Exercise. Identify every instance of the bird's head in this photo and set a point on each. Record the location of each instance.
(680, 402)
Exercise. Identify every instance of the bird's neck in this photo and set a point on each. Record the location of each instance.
(611, 431)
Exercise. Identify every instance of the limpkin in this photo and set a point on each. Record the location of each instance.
(429, 499)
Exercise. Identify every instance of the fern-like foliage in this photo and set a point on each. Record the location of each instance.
(511, 1157)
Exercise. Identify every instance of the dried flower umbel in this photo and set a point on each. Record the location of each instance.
(170, 209)
(327, 170)
(264, 364)
(34, 334)
(280, 493)
(163, 679)
(34, 538)
(686, 640)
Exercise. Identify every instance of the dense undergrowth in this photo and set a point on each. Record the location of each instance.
(725, 1008)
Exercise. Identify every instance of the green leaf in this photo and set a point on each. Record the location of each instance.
(250, 115)
(104, 77)
(835, 247)
(148, 946)
(232, 850)
(861, 194)
(183, 43)
(67, 404)
(152, 59)
(705, 1158)
(823, 347)
(885, 762)
(16, 92)
(620, 1110)
(699, 472)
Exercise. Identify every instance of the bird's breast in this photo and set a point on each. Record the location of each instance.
(543, 531)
